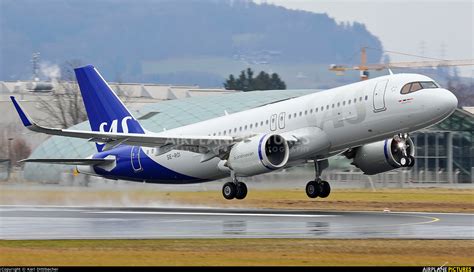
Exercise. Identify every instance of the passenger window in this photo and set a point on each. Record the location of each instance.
(305, 112)
(327, 107)
(301, 113)
(333, 106)
(415, 87)
(289, 116)
(343, 103)
(251, 125)
(338, 104)
(355, 100)
(366, 97)
(261, 123)
(235, 130)
(317, 109)
(294, 115)
(349, 102)
(311, 111)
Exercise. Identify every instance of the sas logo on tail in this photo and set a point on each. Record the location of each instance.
(114, 126)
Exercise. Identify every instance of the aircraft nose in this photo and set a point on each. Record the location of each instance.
(448, 101)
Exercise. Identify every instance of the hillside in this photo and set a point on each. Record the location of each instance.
(134, 40)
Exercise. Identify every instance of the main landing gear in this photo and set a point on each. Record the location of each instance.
(318, 187)
(234, 189)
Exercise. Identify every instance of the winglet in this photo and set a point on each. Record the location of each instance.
(23, 116)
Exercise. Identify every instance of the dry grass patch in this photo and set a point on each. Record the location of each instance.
(430, 199)
(222, 252)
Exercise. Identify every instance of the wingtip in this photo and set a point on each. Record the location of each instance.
(24, 118)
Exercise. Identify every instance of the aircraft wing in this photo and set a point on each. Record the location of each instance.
(114, 139)
(72, 161)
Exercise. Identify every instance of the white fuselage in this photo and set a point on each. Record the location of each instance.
(349, 116)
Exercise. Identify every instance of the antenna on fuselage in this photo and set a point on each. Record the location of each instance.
(390, 71)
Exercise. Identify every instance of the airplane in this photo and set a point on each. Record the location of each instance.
(368, 122)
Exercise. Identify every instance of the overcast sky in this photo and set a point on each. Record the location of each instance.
(434, 28)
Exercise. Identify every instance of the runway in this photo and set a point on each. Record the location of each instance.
(43, 222)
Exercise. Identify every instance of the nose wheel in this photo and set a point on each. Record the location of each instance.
(401, 150)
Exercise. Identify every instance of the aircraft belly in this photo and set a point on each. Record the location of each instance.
(188, 163)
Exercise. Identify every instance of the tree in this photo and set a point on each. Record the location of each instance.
(12, 146)
(463, 91)
(247, 82)
(230, 84)
(277, 83)
(64, 108)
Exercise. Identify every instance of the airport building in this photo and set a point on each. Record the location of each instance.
(444, 152)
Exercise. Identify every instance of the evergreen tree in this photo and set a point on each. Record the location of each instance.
(247, 82)
(230, 84)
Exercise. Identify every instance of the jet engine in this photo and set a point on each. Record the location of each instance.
(385, 155)
(258, 154)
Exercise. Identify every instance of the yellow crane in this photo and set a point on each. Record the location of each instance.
(364, 68)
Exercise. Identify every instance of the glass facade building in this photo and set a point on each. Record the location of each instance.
(444, 152)
(154, 117)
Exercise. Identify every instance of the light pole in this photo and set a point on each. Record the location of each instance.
(9, 156)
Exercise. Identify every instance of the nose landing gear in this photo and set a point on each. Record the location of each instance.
(400, 150)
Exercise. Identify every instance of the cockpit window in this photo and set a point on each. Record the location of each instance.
(429, 85)
(416, 86)
(406, 88)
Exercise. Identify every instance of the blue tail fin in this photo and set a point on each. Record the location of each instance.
(105, 110)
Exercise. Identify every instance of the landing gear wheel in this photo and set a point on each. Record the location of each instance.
(404, 161)
(313, 189)
(241, 190)
(325, 189)
(229, 190)
(411, 161)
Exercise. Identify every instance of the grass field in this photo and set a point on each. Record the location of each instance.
(429, 199)
(235, 252)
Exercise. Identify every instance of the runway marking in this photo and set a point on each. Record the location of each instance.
(217, 214)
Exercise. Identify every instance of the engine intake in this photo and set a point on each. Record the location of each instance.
(259, 154)
(385, 155)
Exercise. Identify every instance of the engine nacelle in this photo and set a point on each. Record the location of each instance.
(385, 155)
(259, 154)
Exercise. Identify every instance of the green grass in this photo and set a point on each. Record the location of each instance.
(430, 199)
(222, 252)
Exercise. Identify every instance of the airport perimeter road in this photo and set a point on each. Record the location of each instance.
(43, 222)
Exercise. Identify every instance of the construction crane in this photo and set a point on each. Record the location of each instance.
(364, 68)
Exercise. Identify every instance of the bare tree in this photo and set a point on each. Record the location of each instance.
(19, 150)
(12, 146)
(64, 107)
(463, 91)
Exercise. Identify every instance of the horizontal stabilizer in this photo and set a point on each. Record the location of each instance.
(113, 139)
(71, 161)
